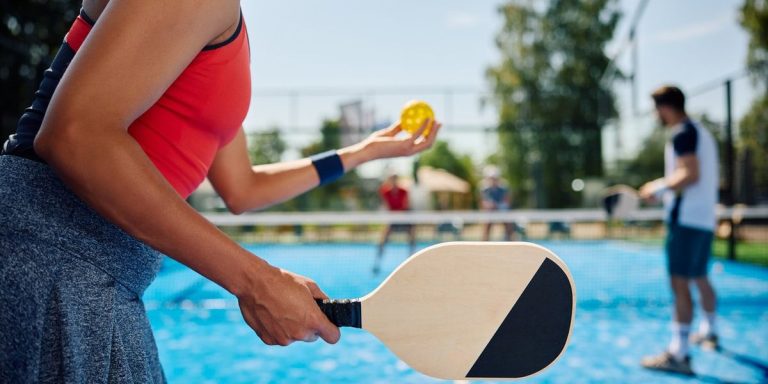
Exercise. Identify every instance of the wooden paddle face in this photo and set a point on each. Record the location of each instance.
(620, 201)
(472, 310)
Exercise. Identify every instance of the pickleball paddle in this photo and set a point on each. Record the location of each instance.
(620, 201)
(470, 310)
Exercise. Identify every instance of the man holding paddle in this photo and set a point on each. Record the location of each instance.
(689, 192)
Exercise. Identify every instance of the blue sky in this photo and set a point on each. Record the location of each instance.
(355, 47)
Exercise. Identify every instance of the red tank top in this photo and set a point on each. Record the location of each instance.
(199, 113)
(395, 197)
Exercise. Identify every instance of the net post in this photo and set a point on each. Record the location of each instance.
(731, 196)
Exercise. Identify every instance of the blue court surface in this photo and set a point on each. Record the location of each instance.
(623, 313)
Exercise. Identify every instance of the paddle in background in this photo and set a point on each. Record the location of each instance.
(620, 201)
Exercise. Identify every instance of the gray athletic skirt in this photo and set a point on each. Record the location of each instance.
(70, 287)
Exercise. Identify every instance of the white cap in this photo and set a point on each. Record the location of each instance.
(491, 171)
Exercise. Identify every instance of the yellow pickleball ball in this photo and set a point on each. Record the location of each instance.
(413, 115)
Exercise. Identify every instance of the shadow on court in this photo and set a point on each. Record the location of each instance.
(716, 380)
(754, 363)
(743, 359)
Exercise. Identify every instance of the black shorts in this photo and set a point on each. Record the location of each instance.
(688, 251)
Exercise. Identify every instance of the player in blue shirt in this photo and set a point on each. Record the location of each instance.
(495, 197)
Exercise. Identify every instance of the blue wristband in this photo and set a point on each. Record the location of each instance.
(328, 166)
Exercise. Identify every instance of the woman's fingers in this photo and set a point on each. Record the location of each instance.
(329, 332)
(427, 141)
(394, 129)
(390, 131)
(315, 290)
(433, 134)
(419, 132)
(325, 329)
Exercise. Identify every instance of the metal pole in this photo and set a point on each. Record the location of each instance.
(635, 54)
(729, 163)
(633, 39)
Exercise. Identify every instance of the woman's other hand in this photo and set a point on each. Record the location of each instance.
(390, 142)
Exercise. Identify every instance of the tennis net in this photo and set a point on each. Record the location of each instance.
(614, 262)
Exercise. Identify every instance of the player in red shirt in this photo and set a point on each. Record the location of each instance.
(396, 199)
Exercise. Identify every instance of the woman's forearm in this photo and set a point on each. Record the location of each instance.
(290, 179)
(245, 188)
(269, 184)
(112, 175)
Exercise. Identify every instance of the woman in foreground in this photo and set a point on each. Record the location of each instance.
(144, 100)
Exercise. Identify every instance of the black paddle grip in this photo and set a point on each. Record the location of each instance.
(342, 313)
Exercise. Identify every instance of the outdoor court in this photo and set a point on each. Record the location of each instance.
(623, 313)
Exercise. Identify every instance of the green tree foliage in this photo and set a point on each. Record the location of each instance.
(31, 32)
(443, 157)
(754, 125)
(551, 94)
(754, 144)
(648, 163)
(330, 138)
(754, 19)
(266, 147)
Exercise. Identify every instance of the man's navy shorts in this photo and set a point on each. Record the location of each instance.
(688, 251)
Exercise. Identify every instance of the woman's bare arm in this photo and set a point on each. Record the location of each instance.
(245, 188)
(133, 54)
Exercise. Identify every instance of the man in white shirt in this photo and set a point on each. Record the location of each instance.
(689, 190)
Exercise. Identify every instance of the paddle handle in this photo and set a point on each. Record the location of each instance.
(342, 313)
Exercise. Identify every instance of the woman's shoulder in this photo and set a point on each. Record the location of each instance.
(224, 13)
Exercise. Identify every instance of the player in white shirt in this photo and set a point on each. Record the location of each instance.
(689, 190)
